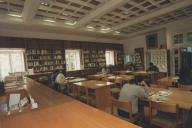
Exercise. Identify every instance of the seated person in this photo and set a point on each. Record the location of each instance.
(132, 91)
(103, 70)
(60, 80)
(53, 77)
(152, 68)
(131, 67)
(185, 75)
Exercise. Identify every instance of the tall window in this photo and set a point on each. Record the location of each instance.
(11, 61)
(72, 60)
(109, 57)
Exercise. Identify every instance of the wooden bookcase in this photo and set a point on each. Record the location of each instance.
(45, 60)
(120, 57)
(139, 59)
(94, 58)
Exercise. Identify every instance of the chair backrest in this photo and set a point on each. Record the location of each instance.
(188, 121)
(124, 105)
(164, 107)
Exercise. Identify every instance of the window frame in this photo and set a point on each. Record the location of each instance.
(77, 63)
(111, 57)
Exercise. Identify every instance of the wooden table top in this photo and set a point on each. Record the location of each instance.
(177, 96)
(121, 77)
(168, 79)
(124, 72)
(93, 84)
(76, 79)
(99, 76)
(58, 110)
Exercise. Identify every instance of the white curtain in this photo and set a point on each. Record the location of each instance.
(11, 61)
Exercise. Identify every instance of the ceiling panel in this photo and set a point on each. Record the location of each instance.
(11, 6)
(129, 11)
(163, 19)
(67, 10)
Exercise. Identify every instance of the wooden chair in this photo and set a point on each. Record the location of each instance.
(167, 115)
(188, 121)
(125, 105)
(185, 87)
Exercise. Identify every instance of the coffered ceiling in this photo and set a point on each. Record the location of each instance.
(110, 17)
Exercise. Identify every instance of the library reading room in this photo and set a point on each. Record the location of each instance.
(95, 63)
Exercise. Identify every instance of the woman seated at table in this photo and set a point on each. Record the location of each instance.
(185, 77)
(152, 68)
(58, 79)
(132, 91)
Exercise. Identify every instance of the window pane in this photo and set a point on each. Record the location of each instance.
(4, 65)
(72, 60)
(17, 62)
(11, 61)
(109, 58)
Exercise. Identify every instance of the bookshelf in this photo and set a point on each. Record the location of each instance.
(45, 60)
(139, 59)
(94, 58)
(120, 57)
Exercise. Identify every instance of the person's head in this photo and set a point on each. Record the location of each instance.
(139, 80)
(151, 64)
(56, 71)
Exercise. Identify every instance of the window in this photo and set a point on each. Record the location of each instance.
(72, 60)
(11, 61)
(109, 57)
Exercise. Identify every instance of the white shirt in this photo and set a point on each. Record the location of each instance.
(132, 92)
(60, 79)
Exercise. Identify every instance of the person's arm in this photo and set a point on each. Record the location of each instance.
(143, 91)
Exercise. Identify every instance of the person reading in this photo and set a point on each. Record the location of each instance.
(132, 91)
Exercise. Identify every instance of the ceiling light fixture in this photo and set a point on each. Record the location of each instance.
(90, 28)
(51, 21)
(117, 32)
(70, 23)
(105, 29)
(14, 15)
(43, 3)
(125, 13)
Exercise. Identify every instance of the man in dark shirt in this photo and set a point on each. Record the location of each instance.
(152, 68)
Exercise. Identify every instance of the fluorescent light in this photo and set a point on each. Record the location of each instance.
(14, 15)
(105, 29)
(117, 32)
(46, 4)
(90, 27)
(47, 20)
(70, 22)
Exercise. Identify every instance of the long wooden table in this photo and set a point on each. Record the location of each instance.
(58, 111)
(101, 91)
(167, 81)
(177, 96)
(98, 76)
(122, 78)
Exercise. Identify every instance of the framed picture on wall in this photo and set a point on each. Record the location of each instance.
(189, 37)
(178, 38)
(152, 41)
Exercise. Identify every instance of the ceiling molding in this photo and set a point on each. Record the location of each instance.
(155, 14)
(110, 5)
(30, 9)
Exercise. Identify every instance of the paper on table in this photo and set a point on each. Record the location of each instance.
(99, 84)
(14, 99)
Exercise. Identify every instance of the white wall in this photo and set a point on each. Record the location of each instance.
(165, 35)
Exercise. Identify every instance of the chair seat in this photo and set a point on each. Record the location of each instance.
(165, 119)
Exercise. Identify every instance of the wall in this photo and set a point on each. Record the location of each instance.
(165, 35)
